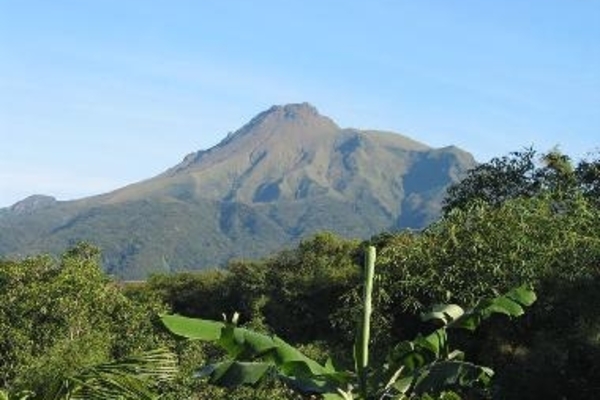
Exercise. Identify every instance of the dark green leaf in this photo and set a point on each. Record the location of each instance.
(447, 373)
(235, 373)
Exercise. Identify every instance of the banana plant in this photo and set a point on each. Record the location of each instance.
(425, 365)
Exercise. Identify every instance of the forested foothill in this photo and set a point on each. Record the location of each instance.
(69, 331)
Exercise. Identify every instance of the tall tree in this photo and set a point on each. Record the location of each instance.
(58, 317)
(526, 174)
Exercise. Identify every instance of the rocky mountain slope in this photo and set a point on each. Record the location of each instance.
(288, 173)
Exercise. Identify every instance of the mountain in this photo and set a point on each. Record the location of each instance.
(288, 173)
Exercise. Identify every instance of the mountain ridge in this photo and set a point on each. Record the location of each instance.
(289, 172)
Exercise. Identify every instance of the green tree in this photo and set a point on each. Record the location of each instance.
(516, 219)
(59, 316)
(200, 294)
(493, 182)
(588, 176)
(305, 285)
(412, 369)
(526, 174)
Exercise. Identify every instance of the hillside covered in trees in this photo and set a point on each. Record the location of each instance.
(69, 331)
(288, 173)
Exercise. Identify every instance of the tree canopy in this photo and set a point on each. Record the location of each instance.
(526, 174)
(522, 219)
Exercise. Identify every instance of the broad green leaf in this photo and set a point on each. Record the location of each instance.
(235, 373)
(427, 364)
(510, 304)
(506, 306)
(410, 356)
(193, 328)
(413, 355)
(329, 367)
(285, 353)
(444, 312)
(447, 373)
(435, 342)
(522, 295)
(398, 382)
(244, 344)
(310, 384)
(403, 385)
(252, 353)
(469, 321)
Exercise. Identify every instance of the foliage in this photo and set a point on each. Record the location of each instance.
(352, 182)
(293, 293)
(63, 318)
(486, 249)
(548, 238)
(194, 294)
(496, 181)
(57, 317)
(520, 174)
(304, 287)
(428, 365)
(519, 241)
(132, 378)
(543, 222)
(425, 365)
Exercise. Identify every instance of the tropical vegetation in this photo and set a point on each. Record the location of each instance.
(518, 222)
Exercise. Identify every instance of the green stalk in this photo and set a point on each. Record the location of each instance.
(364, 333)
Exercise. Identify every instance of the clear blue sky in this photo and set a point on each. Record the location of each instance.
(97, 94)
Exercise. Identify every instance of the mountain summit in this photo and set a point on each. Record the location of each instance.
(286, 174)
(275, 128)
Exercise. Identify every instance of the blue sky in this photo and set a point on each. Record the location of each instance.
(101, 93)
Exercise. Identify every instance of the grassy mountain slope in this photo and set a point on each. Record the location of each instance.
(286, 174)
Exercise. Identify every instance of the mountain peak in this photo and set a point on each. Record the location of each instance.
(294, 110)
(293, 121)
(33, 203)
(288, 173)
(290, 114)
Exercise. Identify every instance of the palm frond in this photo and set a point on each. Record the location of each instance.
(127, 379)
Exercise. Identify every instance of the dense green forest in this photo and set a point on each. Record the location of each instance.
(68, 331)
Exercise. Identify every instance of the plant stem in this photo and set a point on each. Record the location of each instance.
(362, 345)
